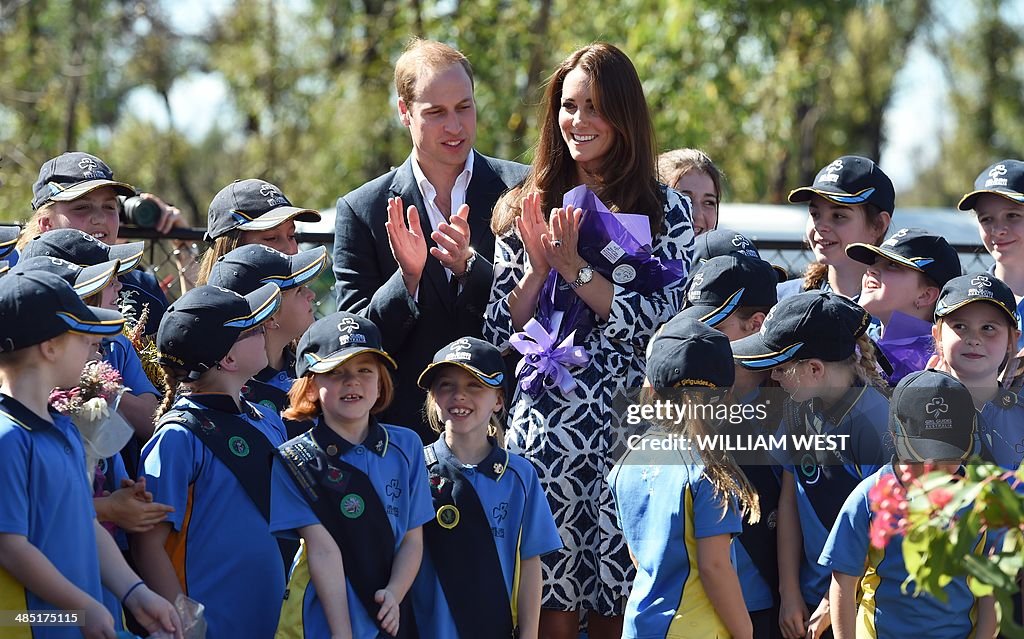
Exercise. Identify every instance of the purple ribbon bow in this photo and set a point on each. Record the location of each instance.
(544, 365)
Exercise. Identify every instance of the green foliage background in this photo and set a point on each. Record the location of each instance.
(771, 89)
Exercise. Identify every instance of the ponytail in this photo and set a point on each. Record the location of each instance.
(865, 365)
(725, 476)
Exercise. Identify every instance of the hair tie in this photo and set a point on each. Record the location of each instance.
(857, 352)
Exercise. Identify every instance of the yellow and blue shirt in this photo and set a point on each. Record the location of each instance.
(221, 546)
(664, 504)
(885, 611)
(392, 458)
(47, 499)
(520, 521)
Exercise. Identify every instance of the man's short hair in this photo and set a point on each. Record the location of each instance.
(425, 55)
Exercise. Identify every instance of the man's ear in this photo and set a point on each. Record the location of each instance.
(403, 113)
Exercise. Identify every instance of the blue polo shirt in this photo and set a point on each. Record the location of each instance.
(221, 546)
(664, 505)
(885, 612)
(392, 457)
(822, 489)
(1001, 429)
(119, 353)
(521, 524)
(47, 499)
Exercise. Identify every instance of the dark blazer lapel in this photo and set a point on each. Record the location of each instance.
(404, 186)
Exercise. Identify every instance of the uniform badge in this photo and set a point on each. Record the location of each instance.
(238, 446)
(498, 468)
(332, 450)
(207, 425)
(448, 516)
(352, 506)
(379, 446)
(269, 404)
(1007, 399)
(334, 475)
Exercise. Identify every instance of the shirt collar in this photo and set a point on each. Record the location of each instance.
(377, 439)
(902, 326)
(493, 465)
(222, 402)
(838, 411)
(22, 416)
(427, 189)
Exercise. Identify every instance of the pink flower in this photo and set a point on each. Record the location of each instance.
(940, 497)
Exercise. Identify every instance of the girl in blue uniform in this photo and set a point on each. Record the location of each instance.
(354, 489)
(998, 203)
(867, 595)
(210, 460)
(54, 555)
(678, 507)
(816, 347)
(251, 211)
(733, 295)
(245, 269)
(481, 572)
(901, 285)
(974, 342)
(851, 200)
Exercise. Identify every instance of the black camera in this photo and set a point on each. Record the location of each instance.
(139, 211)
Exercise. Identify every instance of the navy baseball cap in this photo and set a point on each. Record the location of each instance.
(815, 324)
(71, 175)
(724, 283)
(1004, 178)
(252, 205)
(36, 306)
(851, 179)
(916, 249)
(932, 417)
(202, 325)
(963, 290)
(689, 353)
(475, 356)
(720, 241)
(251, 266)
(333, 340)
(86, 280)
(77, 247)
(8, 239)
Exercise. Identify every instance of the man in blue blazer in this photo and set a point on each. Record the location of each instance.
(423, 273)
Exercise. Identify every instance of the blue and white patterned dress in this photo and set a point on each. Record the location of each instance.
(568, 437)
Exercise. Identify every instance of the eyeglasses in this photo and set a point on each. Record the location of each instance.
(252, 332)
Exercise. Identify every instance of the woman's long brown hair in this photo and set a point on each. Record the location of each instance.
(627, 177)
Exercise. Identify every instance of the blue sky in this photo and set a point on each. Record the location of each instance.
(917, 118)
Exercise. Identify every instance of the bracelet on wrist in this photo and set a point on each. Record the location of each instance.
(124, 599)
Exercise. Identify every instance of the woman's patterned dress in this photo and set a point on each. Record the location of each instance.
(569, 437)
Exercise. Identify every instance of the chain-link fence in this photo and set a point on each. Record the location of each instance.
(162, 257)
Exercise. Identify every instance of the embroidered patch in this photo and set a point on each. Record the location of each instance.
(352, 506)
(238, 446)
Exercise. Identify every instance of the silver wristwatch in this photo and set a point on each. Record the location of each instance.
(583, 277)
(470, 261)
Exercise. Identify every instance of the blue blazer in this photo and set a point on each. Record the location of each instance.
(369, 282)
